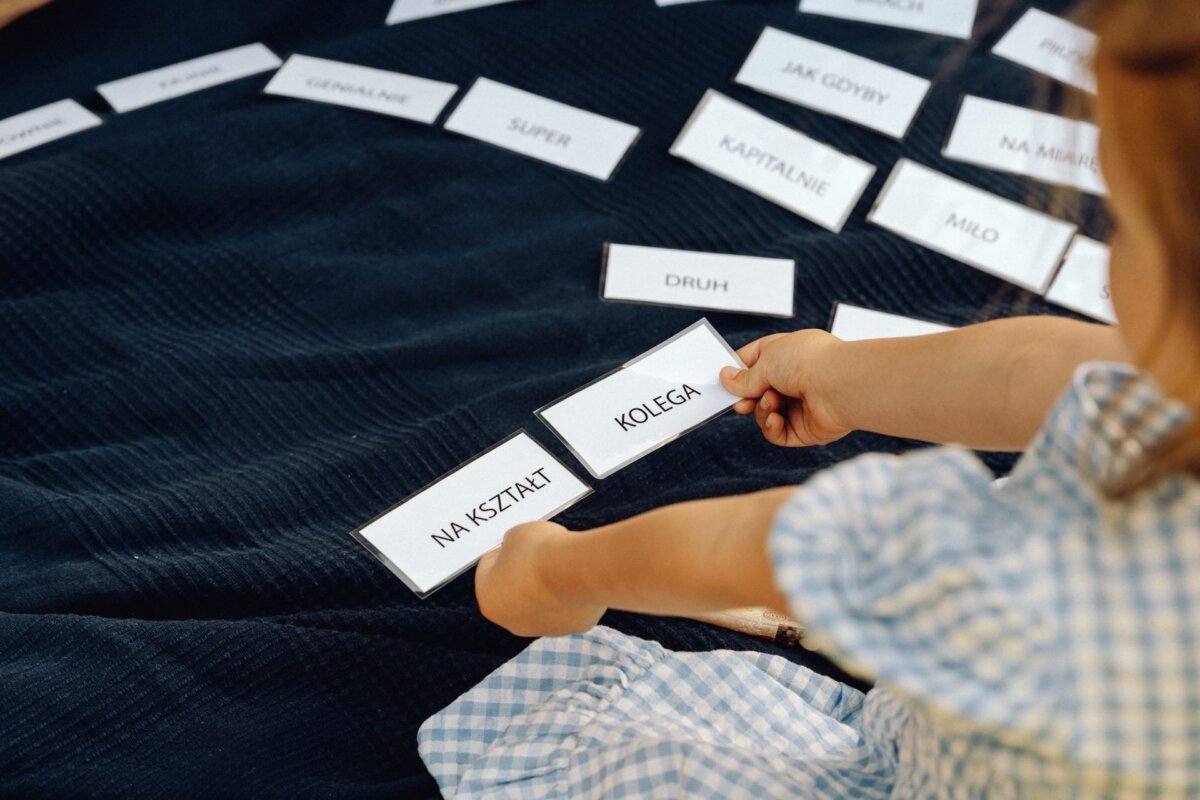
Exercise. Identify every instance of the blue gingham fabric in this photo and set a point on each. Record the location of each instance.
(1034, 640)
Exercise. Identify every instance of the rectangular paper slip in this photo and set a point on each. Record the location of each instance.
(976, 227)
(406, 10)
(854, 324)
(383, 92)
(1052, 46)
(735, 142)
(42, 125)
(1031, 143)
(954, 18)
(186, 77)
(544, 129)
(647, 403)
(440, 531)
(739, 284)
(826, 79)
(1082, 282)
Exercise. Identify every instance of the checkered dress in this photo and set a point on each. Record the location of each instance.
(1035, 640)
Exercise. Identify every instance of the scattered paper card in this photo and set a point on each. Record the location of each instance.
(855, 323)
(688, 279)
(647, 403)
(1082, 282)
(833, 81)
(391, 93)
(441, 531)
(406, 10)
(544, 129)
(735, 142)
(976, 227)
(1032, 143)
(42, 125)
(186, 77)
(1052, 46)
(955, 18)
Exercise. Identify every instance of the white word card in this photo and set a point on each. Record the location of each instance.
(740, 284)
(1082, 282)
(42, 125)
(186, 77)
(1032, 143)
(1052, 46)
(735, 142)
(647, 403)
(406, 10)
(955, 18)
(855, 324)
(544, 129)
(391, 93)
(976, 227)
(833, 81)
(439, 532)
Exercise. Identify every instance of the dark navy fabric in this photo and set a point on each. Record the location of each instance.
(233, 327)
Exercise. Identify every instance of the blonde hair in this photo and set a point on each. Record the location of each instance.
(1157, 42)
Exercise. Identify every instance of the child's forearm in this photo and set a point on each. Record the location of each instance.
(703, 555)
(986, 386)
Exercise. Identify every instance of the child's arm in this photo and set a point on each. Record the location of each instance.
(705, 555)
(986, 386)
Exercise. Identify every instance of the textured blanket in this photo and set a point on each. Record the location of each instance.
(233, 327)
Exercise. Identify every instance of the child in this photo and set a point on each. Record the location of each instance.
(1039, 640)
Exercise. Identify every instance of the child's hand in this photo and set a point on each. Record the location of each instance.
(784, 390)
(513, 591)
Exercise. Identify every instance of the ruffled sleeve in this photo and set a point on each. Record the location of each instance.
(915, 571)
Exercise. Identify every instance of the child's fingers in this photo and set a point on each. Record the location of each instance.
(744, 407)
(774, 429)
(782, 421)
(750, 382)
(768, 403)
(749, 353)
(745, 382)
(770, 420)
(797, 423)
(484, 568)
